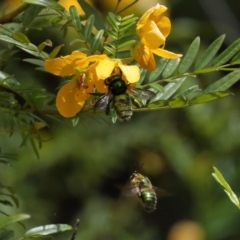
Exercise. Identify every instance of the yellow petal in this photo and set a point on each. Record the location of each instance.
(63, 66)
(151, 15)
(82, 63)
(156, 14)
(165, 54)
(66, 103)
(151, 36)
(99, 83)
(164, 25)
(83, 90)
(130, 73)
(101, 86)
(105, 68)
(145, 57)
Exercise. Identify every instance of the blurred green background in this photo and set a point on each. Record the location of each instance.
(79, 169)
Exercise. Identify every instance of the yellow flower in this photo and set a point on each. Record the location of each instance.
(152, 30)
(71, 96)
(103, 69)
(67, 65)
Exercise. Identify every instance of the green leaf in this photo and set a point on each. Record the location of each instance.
(14, 199)
(47, 230)
(128, 16)
(11, 219)
(227, 54)
(76, 18)
(76, 41)
(34, 147)
(11, 40)
(125, 28)
(6, 202)
(205, 70)
(45, 3)
(110, 50)
(170, 67)
(123, 54)
(83, 49)
(224, 83)
(113, 34)
(158, 104)
(8, 80)
(98, 23)
(35, 61)
(55, 51)
(113, 23)
(5, 31)
(6, 234)
(236, 58)
(42, 45)
(189, 57)
(142, 76)
(20, 37)
(30, 14)
(161, 64)
(97, 40)
(127, 38)
(221, 180)
(233, 197)
(75, 121)
(125, 44)
(188, 91)
(169, 90)
(178, 102)
(30, 48)
(56, 20)
(157, 87)
(88, 27)
(209, 97)
(209, 53)
(33, 50)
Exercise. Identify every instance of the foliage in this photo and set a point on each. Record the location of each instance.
(6, 158)
(5, 191)
(22, 106)
(28, 110)
(227, 189)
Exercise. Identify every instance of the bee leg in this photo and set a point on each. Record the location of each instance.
(107, 110)
(138, 189)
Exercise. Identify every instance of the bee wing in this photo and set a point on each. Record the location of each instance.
(128, 190)
(142, 93)
(161, 192)
(103, 101)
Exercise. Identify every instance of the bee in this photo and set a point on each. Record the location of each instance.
(119, 98)
(143, 188)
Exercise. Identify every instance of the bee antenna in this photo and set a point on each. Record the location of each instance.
(141, 166)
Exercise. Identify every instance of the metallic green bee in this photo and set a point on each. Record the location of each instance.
(143, 188)
(120, 99)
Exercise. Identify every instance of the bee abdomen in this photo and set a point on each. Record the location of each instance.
(123, 106)
(149, 199)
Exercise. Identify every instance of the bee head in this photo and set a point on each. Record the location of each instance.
(134, 175)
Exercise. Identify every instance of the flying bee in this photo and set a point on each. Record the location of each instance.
(119, 98)
(143, 188)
